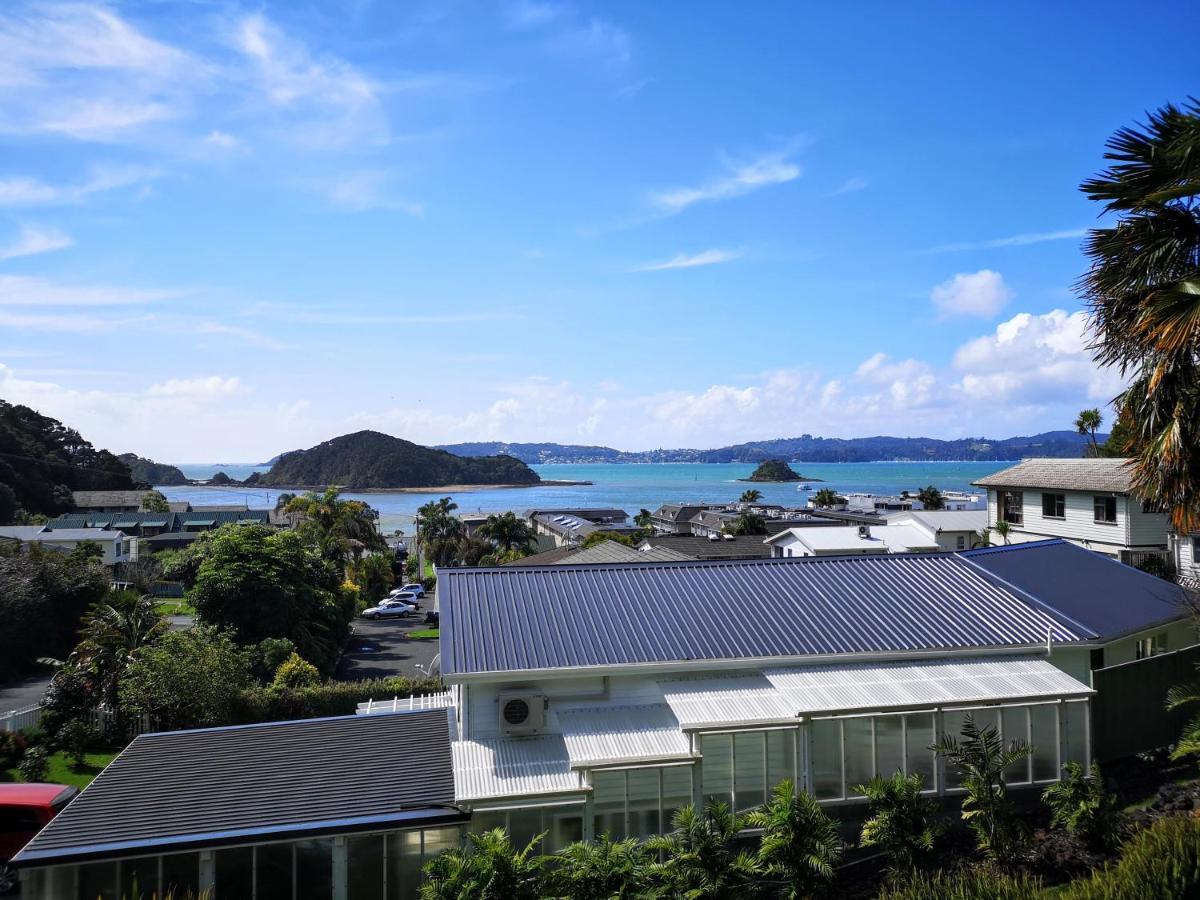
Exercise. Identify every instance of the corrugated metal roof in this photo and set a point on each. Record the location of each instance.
(1083, 587)
(165, 788)
(1110, 474)
(843, 688)
(615, 734)
(557, 617)
(696, 547)
(502, 767)
(714, 702)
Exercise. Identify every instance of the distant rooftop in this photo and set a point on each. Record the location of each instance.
(98, 499)
(1110, 474)
(945, 519)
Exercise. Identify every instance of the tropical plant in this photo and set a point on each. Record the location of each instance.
(700, 858)
(1143, 289)
(371, 576)
(508, 532)
(900, 820)
(751, 496)
(1003, 529)
(1179, 696)
(1087, 423)
(602, 869)
(827, 497)
(931, 498)
(644, 520)
(599, 537)
(113, 631)
(439, 530)
(800, 842)
(981, 759)
(339, 529)
(1079, 803)
(747, 523)
(1161, 861)
(487, 868)
(964, 884)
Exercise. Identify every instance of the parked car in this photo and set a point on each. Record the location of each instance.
(404, 597)
(24, 811)
(416, 588)
(389, 610)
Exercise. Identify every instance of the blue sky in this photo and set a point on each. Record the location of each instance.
(229, 229)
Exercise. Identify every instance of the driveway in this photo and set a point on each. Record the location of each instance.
(24, 692)
(380, 648)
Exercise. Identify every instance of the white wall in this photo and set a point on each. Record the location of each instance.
(1133, 528)
(1187, 560)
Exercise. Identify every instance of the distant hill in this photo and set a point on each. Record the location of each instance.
(147, 471)
(805, 448)
(368, 459)
(42, 461)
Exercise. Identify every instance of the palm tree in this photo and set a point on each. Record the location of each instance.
(113, 631)
(800, 842)
(1143, 288)
(982, 759)
(931, 498)
(644, 520)
(439, 530)
(602, 869)
(508, 532)
(901, 820)
(488, 868)
(1087, 423)
(826, 497)
(1179, 696)
(700, 859)
(747, 523)
(751, 496)
(1003, 529)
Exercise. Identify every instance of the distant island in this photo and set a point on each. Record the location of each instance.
(776, 470)
(369, 460)
(806, 448)
(147, 471)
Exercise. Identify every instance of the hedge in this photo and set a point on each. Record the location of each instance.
(331, 698)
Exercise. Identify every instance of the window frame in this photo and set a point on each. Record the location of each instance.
(1105, 499)
(1010, 507)
(1059, 502)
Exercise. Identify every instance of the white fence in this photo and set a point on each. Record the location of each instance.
(440, 700)
(16, 719)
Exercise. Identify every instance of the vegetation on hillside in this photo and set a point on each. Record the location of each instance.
(42, 461)
(775, 470)
(368, 459)
(150, 473)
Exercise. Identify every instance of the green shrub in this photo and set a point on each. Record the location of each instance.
(12, 748)
(34, 764)
(295, 673)
(969, 884)
(332, 698)
(1080, 804)
(901, 820)
(76, 737)
(1161, 861)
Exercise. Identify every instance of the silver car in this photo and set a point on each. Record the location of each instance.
(389, 609)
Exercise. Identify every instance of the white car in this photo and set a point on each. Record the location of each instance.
(389, 610)
(404, 597)
(415, 588)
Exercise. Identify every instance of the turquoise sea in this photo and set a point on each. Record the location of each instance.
(628, 487)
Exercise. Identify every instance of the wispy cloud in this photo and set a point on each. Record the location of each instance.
(740, 179)
(21, 290)
(33, 240)
(850, 186)
(316, 317)
(69, 322)
(597, 43)
(690, 261)
(246, 335)
(523, 14)
(366, 190)
(1016, 240)
(21, 191)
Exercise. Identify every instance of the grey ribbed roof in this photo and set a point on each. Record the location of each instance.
(555, 617)
(202, 786)
(612, 552)
(696, 547)
(1100, 474)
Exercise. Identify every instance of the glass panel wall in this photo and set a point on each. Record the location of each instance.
(781, 758)
(889, 745)
(741, 768)
(562, 824)
(918, 738)
(1075, 733)
(749, 770)
(364, 867)
(181, 874)
(825, 747)
(858, 741)
(1043, 737)
(717, 751)
(638, 802)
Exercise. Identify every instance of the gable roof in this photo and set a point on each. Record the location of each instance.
(646, 614)
(699, 547)
(939, 520)
(178, 789)
(611, 552)
(1110, 474)
(1085, 587)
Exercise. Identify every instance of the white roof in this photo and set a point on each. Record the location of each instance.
(78, 534)
(619, 734)
(882, 539)
(715, 702)
(505, 767)
(943, 519)
(846, 688)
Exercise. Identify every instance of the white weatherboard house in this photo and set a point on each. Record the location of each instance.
(951, 529)
(1088, 502)
(863, 540)
(592, 699)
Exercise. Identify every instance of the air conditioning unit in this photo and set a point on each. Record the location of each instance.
(522, 712)
(864, 531)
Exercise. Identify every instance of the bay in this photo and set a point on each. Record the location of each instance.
(627, 487)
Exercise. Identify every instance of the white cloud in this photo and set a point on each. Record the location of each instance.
(740, 180)
(850, 186)
(1016, 240)
(69, 322)
(364, 191)
(689, 261)
(21, 290)
(523, 14)
(212, 386)
(600, 44)
(32, 240)
(981, 293)
(20, 191)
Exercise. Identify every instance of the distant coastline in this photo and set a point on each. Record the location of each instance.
(437, 489)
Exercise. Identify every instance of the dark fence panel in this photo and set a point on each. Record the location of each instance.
(1128, 712)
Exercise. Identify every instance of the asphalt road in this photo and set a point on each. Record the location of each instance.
(380, 648)
(24, 692)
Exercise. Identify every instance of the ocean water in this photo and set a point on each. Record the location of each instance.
(628, 487)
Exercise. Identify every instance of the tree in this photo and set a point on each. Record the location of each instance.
(1143, 289)
(1079, 803)
(260, 583)
(748, 523)
(1179, 696)
(751, 496)
(602, 869)
(981, 758)
(700, 858)
(599, 537)
(488, 868)
(113, 631)
(187, 679)
(931, 498)
(508, 533)
(295, 672)
(800, 842)
(1003, 529)
(901, 821)
(827, 497)
(155, 501)
(372, 576)
(644, 520)
(339, 529)
(439, 531)
(1087, 423)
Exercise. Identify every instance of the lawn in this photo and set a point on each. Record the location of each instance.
(62, 771)
(180, 607)
(424, 634)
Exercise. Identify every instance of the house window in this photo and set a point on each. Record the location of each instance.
(1105, 509)
(639, 802)
(960, 542)
(1151, 646)
(741, 769)
(848, 752)
(1010, 506)
(1054, 506)
(1196, 549)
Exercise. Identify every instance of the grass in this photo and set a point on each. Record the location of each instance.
(424, 634)
(180, 607)
(61, 770)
